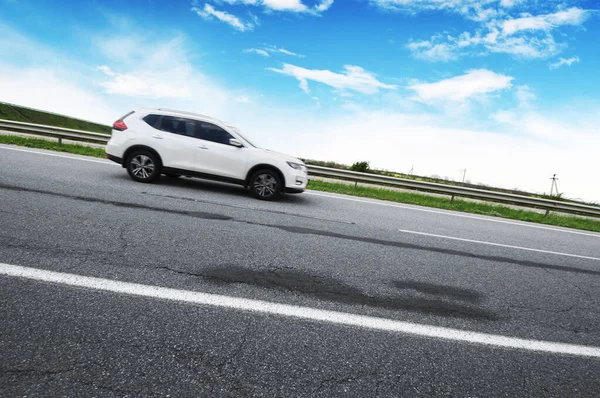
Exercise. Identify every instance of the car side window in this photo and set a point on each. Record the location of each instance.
(213, 133)
(178, 125)
(151, 119)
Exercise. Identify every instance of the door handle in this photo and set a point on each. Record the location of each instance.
(202, 147)
(157, 136)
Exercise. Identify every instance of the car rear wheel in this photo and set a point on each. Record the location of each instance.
(143, 166)
(266, 185)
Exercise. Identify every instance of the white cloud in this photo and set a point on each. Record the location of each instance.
(485, 14)
(155, 70)
(324, 5)
(256, 51)
(524, 95)
(563, 61)
(106, 70)
(526, 36)
(572, 16)
(144, 84)
(525, 46)
(286, 52)
(474, 9)
(460, 88)
(433, 51)
(522, 44)
(273, 50)
(247, 2)
(509, 3)
(353, 78)
(209, 12)
(417, 45)
(285, 5)
(160, 74)
(297, 6)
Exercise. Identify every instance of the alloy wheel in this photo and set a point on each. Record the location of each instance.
(142, 166)
(265, 185)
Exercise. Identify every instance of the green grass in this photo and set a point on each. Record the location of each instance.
(52, 145)
(458, 205)
(366, 192)
(21, 114)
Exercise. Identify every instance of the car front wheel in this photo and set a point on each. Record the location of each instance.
(143, 166)
(266, 185)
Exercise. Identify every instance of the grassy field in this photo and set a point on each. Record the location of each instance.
(20, 114)
(366, 192)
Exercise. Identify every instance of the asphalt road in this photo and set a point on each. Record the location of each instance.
(404, 264)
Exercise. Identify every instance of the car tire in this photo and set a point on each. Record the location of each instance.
(143, 166)
(266, 184)
(173, 175)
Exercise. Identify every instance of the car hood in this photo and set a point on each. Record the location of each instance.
(279, 155)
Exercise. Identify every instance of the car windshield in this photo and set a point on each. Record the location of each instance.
(238, 132)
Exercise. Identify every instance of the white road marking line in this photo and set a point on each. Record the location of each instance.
(454, 214)
(293, 311)
(447, 213)
(498, 244)
(57, 155)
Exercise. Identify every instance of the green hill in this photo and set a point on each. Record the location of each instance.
(22, 114)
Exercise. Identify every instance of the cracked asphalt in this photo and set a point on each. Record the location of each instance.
(88, 218)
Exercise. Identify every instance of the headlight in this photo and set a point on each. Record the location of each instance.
(297, 166)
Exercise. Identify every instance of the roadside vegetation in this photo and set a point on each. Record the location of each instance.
(52, 145)
(27, 115)
(457, 205)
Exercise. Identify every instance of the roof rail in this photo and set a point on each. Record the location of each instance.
(187, 113)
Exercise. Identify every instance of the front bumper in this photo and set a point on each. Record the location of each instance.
(296, 181)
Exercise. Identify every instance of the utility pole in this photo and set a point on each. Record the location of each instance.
(554, 185)
(411, 170)
(464, 175)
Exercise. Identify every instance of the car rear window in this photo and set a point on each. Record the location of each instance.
(151, 119)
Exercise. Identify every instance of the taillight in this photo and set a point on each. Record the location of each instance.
(119, 125)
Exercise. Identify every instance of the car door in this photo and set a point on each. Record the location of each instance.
(216, 156)
(175, 141)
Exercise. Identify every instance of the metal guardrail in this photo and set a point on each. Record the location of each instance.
(51, 131)
(451, 190)
(454, 190)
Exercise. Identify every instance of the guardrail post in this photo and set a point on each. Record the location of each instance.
(59, 140)
(547, 212)
(355, 184)
(452, 199)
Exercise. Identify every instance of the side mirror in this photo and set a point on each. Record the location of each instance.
(236, 143)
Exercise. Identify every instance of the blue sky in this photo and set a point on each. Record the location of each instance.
(507, 89)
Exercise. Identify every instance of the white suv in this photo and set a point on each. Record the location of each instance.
(151, 142)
